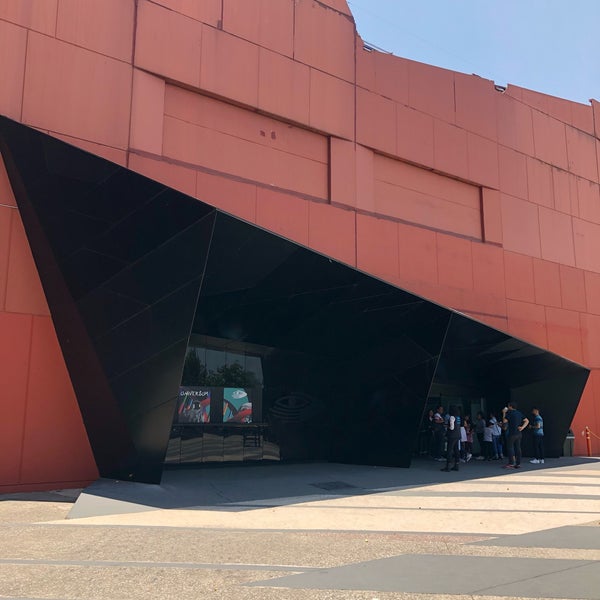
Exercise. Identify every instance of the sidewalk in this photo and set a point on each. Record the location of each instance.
(313, 531)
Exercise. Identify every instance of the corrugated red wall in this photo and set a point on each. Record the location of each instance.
(485, 201)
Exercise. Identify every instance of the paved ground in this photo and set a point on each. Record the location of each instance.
(312, 531)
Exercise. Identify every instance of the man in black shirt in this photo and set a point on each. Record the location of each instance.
(516, 422)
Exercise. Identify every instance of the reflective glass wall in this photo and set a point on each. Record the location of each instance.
(294, 356)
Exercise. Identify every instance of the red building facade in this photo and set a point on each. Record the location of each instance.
(481, 199)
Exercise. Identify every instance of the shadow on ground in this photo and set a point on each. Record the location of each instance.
(238, 488)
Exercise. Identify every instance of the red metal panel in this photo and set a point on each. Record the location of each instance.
(267, 23)
(159, 29)
(527, 321)
(324, 39)
(450, 154)
(549, 139)
(342, 172)
(539, 183)
(229, 66)
(586, 236)
(207, 11)
(283, 214)
(13, 45)
(323, 221)
(235, 197)
(55, 445)
(515, 126)
(581, 150)
(377, 247)
(417, 254)
(476, 109)
(415, 135)
(105, 26)
(492, 216)
(546, 279)
(76, 92)
(518, 273)
(283, 86)
(488, 269)
(564, 333)
(375, 121)
(24, 293)
(588, 196)
(147, 112)
(332, 104)
(591, 292)
(38, 16)
(178, 177)
(556, 236)
(5, 227)
(572, 288)
(483, 160)
(512, 172)
(455, 262)
(590, 332)
(520, 226)
(424, 78)
(15, 342)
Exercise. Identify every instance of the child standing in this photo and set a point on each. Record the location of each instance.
(488, 440)
(496, 437)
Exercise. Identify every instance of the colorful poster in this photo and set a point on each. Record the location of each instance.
(237, 407)
(194, 405)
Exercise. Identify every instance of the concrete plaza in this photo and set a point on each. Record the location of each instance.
(312, 531)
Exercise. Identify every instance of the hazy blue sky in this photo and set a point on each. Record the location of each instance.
(551, 46)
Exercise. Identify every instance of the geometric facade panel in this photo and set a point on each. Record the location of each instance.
(120, 258)
(193, 336)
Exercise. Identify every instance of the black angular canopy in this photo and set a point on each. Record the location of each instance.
(138, 275)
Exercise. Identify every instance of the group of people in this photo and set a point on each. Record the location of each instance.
(451, 436)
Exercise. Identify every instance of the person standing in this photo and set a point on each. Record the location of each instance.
(469, 442)
(438, 433)
(515, 422)
(463, 442)
(479, 429)
(453, 438)
(425, 444)
(496, 437)
(488, 441)
(538, 437)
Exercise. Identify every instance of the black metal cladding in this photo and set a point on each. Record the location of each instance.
(131, 269)
(121, 259)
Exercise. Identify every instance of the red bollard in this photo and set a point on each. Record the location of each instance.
(588, 440)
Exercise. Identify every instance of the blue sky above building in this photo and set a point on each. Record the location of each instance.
(551, 46)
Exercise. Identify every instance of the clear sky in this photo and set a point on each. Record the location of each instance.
(551, 46)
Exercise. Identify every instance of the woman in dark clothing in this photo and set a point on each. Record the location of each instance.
(479, 429)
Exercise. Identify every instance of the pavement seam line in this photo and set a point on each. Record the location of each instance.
(161, 565)
(481, 591)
